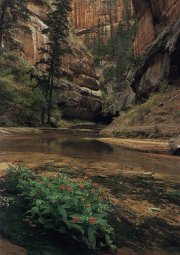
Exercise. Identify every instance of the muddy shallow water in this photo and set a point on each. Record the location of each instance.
(84, 153)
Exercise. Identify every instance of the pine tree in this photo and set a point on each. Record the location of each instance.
(57, 46)
(13, 14)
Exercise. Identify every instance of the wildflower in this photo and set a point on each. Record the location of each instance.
(62, 187)
(76, 219)
(92, 221)
(69, 189)
(101, 199)
(81, 185)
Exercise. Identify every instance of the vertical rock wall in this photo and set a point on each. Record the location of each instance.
(88, 15)
(152, 17)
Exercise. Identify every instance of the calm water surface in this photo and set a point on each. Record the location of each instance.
(88, 153)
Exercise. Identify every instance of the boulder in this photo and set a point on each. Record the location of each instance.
(88, 82)
(174, 145)
(78, 102)
(53, 122)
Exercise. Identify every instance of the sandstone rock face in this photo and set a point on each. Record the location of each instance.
(82, 95)
(78, 102)
(88, 14)
(122, 101)
(160, 64)
(152, 16)
(35, 40)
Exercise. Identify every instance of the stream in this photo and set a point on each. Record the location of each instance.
(90, 154)
(78, 153)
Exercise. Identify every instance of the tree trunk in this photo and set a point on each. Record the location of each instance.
(2, 20)
(50, 100)
(43, 112)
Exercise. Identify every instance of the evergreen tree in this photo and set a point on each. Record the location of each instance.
(56, 47)
(13, 14)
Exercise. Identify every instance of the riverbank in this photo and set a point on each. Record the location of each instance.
(158, 117)
(13, 131)
(144, 145)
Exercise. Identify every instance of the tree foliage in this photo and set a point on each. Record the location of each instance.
(21, 100)
(114, 46)
(56, 46)
(13, 14)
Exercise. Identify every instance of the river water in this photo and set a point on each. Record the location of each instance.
(90, 154)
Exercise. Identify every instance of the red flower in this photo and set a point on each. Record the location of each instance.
(69, 189)
(101, 199)
(62, 187)
(92, 221)
(81, 185)
(76, 219)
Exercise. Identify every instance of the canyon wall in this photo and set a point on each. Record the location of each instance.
(152, 16)
(158, 40)
(88, 15)
(78, 94)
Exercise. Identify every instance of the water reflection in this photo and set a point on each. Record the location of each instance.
(90, 151)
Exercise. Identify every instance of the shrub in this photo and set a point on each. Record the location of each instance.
(174, 196)
(21, 101)
(68, 206)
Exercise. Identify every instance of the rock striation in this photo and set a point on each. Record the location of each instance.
(88, 15)
(158, 39)
(79, 95)
(152, 16)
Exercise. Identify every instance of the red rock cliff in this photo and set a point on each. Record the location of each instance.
(87, 15)
(152, 17)
(80, 94)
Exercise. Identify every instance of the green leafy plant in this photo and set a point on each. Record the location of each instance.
(174, 196)
(73, 207)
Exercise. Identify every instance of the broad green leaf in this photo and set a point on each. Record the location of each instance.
(62, 211)
(34, 210)
(92, 237)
